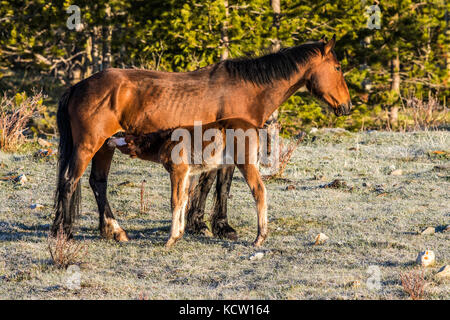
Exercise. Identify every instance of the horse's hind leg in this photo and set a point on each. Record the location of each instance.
(219, 220)
(254, 181)
(101, 163)
(69, 190)
(197, 203)
(179, 178)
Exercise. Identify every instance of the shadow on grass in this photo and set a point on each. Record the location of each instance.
(17, 231)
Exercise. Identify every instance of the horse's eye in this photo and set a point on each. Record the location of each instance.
(338, 68)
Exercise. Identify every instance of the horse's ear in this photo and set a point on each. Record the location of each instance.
(323, 39)
(329, 45)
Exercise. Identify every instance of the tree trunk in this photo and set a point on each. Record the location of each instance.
(276, 7)
(273, 129)
(88, 62)
(447, 54)
(224, 36)
(107, 36)
(96, 55)
(395, 72)
(395, 86)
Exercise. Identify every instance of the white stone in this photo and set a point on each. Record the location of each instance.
(22, 179)
(426, 258)
(429, 230)
(397, 172)
(321, 238)
(257, 256)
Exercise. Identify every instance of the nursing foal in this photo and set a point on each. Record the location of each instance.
(222, 144)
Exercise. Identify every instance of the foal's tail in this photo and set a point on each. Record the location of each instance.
(67, 205)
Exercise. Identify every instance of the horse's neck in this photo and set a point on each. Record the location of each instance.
(277, 92)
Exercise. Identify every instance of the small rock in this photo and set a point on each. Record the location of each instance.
(366, 184)
(290, 187)
(44, 143)
(441, 168)
(429, 230)
(443, 273)
(321, 238)
(257, 256)
(36, 206)
(426, 258)
(21, 179)
(446, 229)
(313, 130)
(336, 184)
(319, 177)
(397, 172)
(42, 153)
(354, 284)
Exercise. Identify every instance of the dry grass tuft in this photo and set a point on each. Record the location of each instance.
(413, 283)
(285, 152)
(145, 202)
(15, 113)
(65, 251)
(427, 114)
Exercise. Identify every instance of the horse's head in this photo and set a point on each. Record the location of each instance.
(326, 80)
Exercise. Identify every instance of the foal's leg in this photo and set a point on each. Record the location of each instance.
(109, 228)
(254, 181)
(219, 220)
(179, 178)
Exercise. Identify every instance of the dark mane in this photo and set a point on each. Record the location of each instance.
(273, 66)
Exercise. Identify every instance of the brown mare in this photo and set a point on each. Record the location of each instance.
(140, 102)
(242, 151)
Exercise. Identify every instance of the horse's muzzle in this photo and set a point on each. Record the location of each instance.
(343, 109)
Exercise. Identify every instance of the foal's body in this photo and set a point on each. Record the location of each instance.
(159, 148)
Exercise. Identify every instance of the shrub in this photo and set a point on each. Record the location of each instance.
(414, 283)
(65, 251)
(426, 114)
(15, 113)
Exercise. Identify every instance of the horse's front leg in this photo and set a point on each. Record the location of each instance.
(101, 163)
(179, 179)
(254, 181)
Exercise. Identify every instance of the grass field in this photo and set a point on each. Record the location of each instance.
(373, 220)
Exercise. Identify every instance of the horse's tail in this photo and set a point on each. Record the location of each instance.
(67, 205)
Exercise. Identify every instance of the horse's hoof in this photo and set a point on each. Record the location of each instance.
(121, 236)
(170, 243)
(204, 232)
(112, 230)
(259, 241)
(201, 229)
(226, 232)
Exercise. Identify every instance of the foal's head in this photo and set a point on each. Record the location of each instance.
(326, 80)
